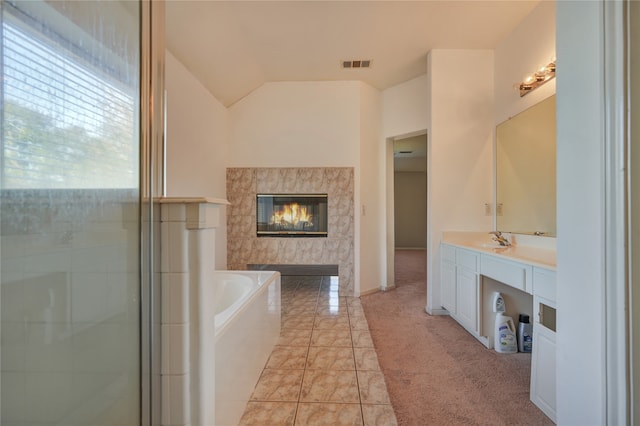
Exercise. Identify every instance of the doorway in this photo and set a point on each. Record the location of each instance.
(409, 208)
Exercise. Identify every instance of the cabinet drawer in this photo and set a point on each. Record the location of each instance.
(467, 259)
(448, 253)
(510, 273)
(544, 283)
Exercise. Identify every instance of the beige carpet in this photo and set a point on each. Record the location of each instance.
(436, 372)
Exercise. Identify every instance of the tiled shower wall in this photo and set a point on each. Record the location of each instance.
(244, 247)
(70, 306)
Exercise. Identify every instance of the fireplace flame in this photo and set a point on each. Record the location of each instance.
(292, 215)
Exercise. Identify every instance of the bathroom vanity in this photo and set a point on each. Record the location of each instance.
(470, 260)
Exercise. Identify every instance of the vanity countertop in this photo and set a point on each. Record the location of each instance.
(541, 255)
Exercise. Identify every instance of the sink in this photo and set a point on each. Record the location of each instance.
(492, 245)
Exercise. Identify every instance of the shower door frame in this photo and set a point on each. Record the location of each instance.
(152, 185)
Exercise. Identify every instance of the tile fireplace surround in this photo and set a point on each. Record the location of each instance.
(244, 247)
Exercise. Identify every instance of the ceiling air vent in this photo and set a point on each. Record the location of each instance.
(357, 63)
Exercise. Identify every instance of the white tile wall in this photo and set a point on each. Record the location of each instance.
(174, 212)
(69, 310)
(88, 290)
(175, 303)
(175, 400)
(70, 300)
(45, 351)
(175, 297)
(188, 253)
(48, 396)
(14, 402)
(175, 349)
(174, 247)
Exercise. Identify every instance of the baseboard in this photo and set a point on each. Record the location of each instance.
(376, 290)
(368, 292)
(440, 311)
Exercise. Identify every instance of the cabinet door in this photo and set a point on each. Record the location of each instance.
(448, 286)
(467, 298)
(543, 356)
(543, 370)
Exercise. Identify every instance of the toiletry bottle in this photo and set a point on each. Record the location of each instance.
(525, 336)
(505, 340)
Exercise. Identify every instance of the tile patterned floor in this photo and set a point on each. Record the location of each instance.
(324, 370)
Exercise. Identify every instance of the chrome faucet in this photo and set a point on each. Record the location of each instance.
(497, 237)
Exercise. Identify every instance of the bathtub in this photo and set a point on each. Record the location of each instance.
(247, 327)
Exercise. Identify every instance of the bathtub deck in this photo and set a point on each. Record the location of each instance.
(300, 270)
(324, 369)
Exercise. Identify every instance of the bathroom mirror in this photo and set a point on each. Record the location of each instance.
(526, 171)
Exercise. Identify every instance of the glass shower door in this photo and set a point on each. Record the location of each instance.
(70, 213)
(634, 148)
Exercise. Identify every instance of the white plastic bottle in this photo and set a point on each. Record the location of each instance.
(525, 334)
(504, 339)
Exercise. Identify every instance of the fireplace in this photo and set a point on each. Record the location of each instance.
(291, 215)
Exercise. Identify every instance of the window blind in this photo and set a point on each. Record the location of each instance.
(68, 123)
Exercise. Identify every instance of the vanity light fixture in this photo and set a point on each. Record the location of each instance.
(538, 78)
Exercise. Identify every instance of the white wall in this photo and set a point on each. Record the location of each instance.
(318, 124)
(460, 150)
(297, 124)
(372, 191)
(197, 136)
(531, 45)
(581, 339)
(405, 107)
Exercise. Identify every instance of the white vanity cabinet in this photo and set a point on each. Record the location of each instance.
(460, 286)
(543, 357)
(448, 278)
(467, 289)
(463, 266)
(514, 274)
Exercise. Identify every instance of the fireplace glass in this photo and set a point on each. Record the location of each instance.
(291, 215)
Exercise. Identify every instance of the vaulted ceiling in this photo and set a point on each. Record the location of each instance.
(233, 47)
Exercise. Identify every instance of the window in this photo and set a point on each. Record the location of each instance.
(68, 123)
